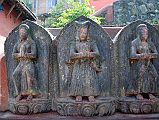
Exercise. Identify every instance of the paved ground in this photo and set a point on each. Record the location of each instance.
(55, 116)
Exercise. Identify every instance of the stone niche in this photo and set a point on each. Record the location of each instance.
(136, 80)
(84, 70)
(29, 68)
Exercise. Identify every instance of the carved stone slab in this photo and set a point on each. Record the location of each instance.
(65, 104)
(104, 44)
(122, 49)
(125, 82)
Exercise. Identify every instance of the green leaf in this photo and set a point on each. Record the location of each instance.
(67, 10)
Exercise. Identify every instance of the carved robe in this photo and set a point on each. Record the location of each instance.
(25, 53)
(84, 80)
(143, 70)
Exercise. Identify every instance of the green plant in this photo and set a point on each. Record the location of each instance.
(68, 10)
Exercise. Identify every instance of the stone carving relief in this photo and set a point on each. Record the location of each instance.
(136, 54)
(84, 69)
(144, 72)
(83, 55)
(82, 72)
(28, 58)
(24, 52)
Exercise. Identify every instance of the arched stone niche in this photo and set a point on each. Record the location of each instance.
(64, 41)
(125, 79)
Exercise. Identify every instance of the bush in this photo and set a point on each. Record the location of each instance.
(67, 10)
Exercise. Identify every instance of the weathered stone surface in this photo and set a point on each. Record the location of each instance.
(69, 39)
(122, 47)
(127, 11)
(35, 70)
(104, 45)
(125, 76)
(81, 72)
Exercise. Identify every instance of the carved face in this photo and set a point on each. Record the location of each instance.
(143, 33)
(83, 34)
(23, 34)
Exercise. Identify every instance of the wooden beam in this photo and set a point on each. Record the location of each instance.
(1, 1)
(18, 16)
(11, 9)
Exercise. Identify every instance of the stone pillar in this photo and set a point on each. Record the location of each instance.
(3, 84)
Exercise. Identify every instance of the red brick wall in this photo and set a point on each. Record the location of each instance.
(98, 4)
(3, 84)
(8, 23)
(112, 31)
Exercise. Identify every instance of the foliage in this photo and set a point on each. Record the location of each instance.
(67, 10)
(155, 21)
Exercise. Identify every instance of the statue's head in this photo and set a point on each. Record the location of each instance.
(142, 31)
(82, 30)
(23, 32)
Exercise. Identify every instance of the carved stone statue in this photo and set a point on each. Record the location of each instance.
(84, 62)
(29, 69)
(25, 53)
(136, 62)
(142, 52)
(84, 53)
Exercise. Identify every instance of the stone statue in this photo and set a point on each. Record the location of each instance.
(29, 69)
(84, 65)
(142, 52)
(83, 54)
(25, 53)
(136, 65)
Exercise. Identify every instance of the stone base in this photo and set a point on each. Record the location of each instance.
(30, 107)
(134, 106)
(101, 107)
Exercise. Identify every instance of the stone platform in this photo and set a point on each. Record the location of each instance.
(101, 107)
(56, 116)
(29, 107)
(134, 106)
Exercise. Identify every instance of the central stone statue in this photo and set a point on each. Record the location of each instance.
(83, 54)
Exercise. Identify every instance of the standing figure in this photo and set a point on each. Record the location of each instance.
(83, 55)
(143, 51)
(24, 74)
